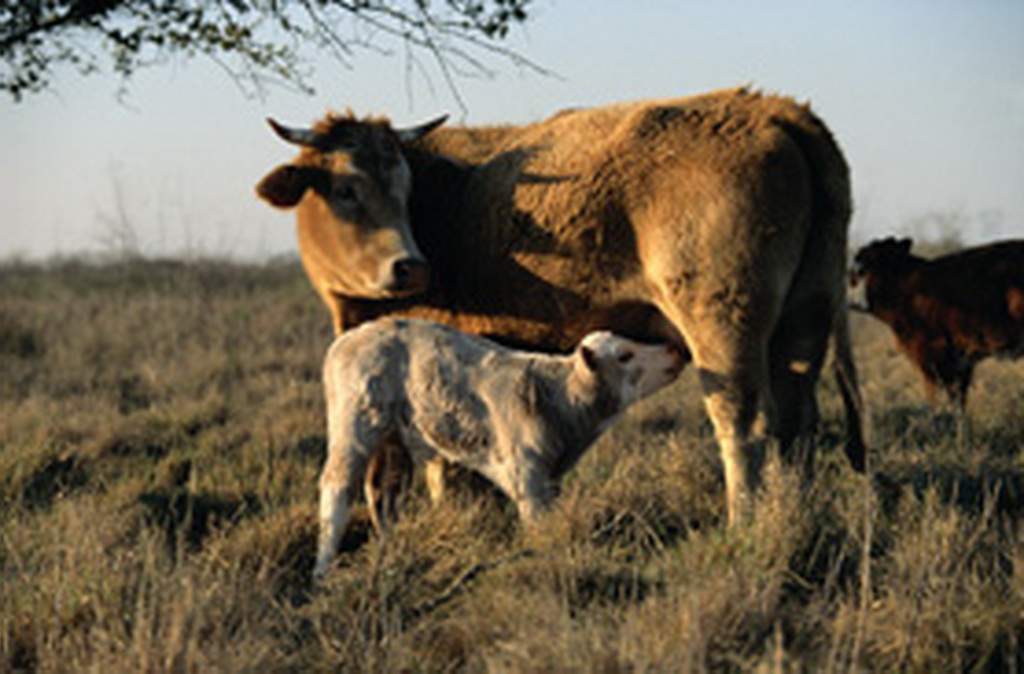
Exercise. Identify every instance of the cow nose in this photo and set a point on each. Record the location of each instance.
(410, 274)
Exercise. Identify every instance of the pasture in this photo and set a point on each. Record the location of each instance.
(161, 435)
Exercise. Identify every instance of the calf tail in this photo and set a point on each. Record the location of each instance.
(846, 378)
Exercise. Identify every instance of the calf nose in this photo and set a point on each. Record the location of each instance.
(681, 353)
(680, 357)
(410, 274)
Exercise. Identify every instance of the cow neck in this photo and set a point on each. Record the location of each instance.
(469, 290)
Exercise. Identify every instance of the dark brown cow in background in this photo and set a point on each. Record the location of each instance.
(719, 221)
(948, 313)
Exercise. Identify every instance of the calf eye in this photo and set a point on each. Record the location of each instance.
(625, 357)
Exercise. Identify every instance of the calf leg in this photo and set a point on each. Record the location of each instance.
(943, 366)
(959, 397)
(339, 484)
(525, 480)
(535, 494)
(435, 476)
(388, 478)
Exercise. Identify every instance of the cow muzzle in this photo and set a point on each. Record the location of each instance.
(408, 276)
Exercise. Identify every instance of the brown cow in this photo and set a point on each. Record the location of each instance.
(727, 212)
(949, 313)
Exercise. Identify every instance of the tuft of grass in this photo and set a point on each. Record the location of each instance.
(161, 434)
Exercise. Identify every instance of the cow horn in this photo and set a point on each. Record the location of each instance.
(413, 133)
(304, 137)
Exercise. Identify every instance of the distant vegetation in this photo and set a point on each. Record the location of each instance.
(161, 433)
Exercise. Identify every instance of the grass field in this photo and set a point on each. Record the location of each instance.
(161, 433)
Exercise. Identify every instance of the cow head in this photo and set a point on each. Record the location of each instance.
(350, 185)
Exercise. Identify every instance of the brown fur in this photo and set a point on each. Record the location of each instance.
(727, 212)
(949, 313)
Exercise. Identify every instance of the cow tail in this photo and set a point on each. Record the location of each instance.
(846, 378)
(828, 240)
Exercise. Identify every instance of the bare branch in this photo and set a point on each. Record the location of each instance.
(255, 41)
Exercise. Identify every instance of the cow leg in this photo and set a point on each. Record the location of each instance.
(796, 354)
(339, 485)
(733, 409)
(731, 357)
(725, 288)
(728, 343)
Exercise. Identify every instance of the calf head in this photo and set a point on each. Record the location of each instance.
(872, 266)
(350, 185)
(619, 371)
(879, 256)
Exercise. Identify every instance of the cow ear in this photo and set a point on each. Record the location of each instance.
(284, 186)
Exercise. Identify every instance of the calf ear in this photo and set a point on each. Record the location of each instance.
(284, 186)
(589, 358)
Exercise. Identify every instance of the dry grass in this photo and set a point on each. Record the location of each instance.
(161, 431)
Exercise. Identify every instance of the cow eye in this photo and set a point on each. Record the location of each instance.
(625, 357)
(345, 192)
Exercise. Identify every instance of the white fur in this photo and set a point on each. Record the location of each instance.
(520, 419)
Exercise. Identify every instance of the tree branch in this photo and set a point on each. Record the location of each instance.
(77, 13)
(245, 36)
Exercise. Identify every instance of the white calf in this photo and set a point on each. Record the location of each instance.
(520, 419)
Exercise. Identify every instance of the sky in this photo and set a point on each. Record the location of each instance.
(926, 98)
